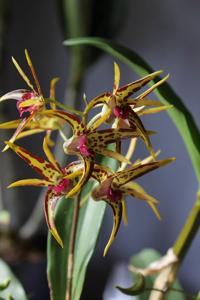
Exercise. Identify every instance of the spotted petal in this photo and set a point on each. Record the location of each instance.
(153, 87)
(124, 92)
(100, 172)
(123, 177)
(87, 171)
(117, 216)
(50, 155)
(101, 99)
(41, 166)
(51, 200)
(102, 138)
(72, 120)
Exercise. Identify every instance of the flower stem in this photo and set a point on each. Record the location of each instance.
(188, 231)
(70, 261)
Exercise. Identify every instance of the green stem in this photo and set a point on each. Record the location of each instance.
(188, 231)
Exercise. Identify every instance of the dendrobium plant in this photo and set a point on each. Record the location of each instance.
(89, 140)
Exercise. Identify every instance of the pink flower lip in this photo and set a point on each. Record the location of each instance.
(117, 111)
(63, 186)
(25, 96)
(83, 148)
(105, 191)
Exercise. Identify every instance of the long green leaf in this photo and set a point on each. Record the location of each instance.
(142, 260)
(14, 288)
(56, 256)
(89, 224)
(180, 114)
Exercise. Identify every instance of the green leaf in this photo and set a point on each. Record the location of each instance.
(89, 224)
(56, 256)
(180, 114)
(142, 260)
(10, 285)
(90, 219)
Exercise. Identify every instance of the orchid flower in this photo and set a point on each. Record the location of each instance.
(58, 180)
(113, 189)
(32, 102)
(87, 141)
(124, 110)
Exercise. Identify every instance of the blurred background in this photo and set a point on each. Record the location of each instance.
(166, 34)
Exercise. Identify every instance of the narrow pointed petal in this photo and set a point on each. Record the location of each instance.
(129, 153)
(50, 155)
(19, 129)
(41, 166)
(116, 77)
(30, 64)
(49, 209)
(88, 168)
(73, 175)
(123, 177)
(124, 92)
(28, 133)
(72, 120)
(30, 182)
(112, 154)
(148, 159)
(11, 124)
(52, 94)
(137, 123)
(101, 99)
(153, 87)
(117, 216)
(124, 213)
(23, 75)
(154, 110)
(144, 102)
(97, 123)
(102, 138)
(135, 190)
(15, 95)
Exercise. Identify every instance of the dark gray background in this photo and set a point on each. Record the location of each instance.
(167, 35)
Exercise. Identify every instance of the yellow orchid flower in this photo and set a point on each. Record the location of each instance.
(58, 180)
(33, 103)
(125, 110)
(114, 187)
(87, 141)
